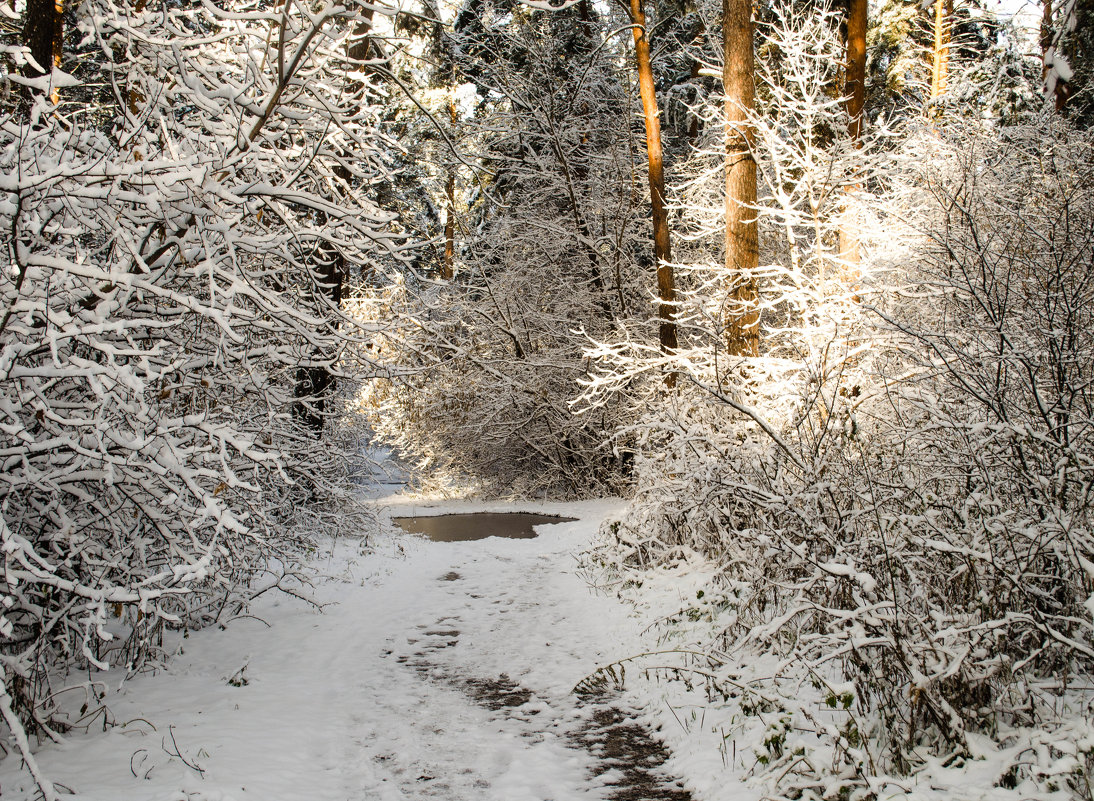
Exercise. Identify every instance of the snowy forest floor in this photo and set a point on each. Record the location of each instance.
(434, 670)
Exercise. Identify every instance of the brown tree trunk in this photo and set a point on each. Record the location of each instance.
(693, 124)
(666, 290)
(360, 42)
(742, 239)
(447, 270)
(1061, 90)
(943, 13)
(585, 13)
(855, 90)
(134, 97)
(855, 83)
(316, 385)
(43, 35)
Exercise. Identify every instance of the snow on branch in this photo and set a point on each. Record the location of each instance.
(170, 330)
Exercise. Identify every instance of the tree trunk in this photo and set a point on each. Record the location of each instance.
(943, 13)
(360, 43)
(742, 240)
(855, 83)
(315, 385)
(666, 290)
(133, 96)
(1061, 89)
(584, 12)
(43, 35)
(855, 90)
(449, 226)
(448, 269)
(693, 124)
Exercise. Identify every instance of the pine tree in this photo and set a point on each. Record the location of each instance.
(662, 251)
(742, 244)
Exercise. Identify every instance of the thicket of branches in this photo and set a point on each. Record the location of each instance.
(894, 500)
(550, 251)
(181, 226)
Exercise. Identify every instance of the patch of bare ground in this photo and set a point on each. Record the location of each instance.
(627, 757)
(624, 746)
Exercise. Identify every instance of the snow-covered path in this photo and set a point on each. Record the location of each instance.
(436, 670)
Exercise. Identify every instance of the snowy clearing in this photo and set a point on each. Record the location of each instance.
(435, 670)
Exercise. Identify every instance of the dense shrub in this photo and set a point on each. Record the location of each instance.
(894, 499)
(176, 236)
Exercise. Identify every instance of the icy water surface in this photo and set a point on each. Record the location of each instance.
(477, 526)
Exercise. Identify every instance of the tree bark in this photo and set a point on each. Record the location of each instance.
(360, 43)
(693, 124)
(316, 384)
(742, 238)
(43, 35)
(134, 97)
(943, 14)
(855, 90)
(1061, 89)
(855, 81)
(666, 289)
(447, 270)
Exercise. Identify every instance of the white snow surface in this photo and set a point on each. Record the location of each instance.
(369, 698)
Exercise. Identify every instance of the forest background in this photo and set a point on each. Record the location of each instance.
(812, 283)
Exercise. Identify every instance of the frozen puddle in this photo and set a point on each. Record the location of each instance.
(477, 526)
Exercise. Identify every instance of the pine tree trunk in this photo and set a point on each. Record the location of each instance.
(666, 290)
(943, 13)
(134, 97)
(693, 124)
(855, 91)
(360, 43)
(447, 268)
(855, 84)
(316, 385)
(742, 239)
(1061, 89)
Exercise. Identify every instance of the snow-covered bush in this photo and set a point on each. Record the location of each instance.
(895, 496)
(180, 236)
(547, 249)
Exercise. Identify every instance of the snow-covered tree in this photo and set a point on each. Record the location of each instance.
(892, 500)
(551, 246)
(1067, 49)
(177, 228)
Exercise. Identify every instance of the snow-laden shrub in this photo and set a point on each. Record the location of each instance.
(547, 249)
(896, 495)
(179, 241)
